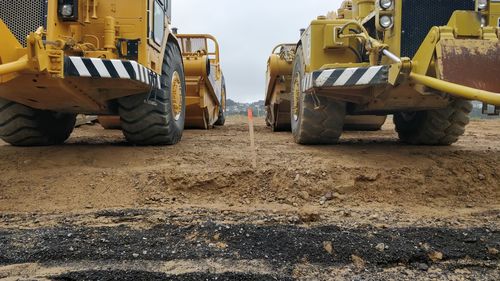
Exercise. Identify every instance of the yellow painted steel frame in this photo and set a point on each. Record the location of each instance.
(324, 48)
(278, 76)
(204, 79)
(97, 33)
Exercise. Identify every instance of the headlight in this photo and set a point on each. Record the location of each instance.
(483, 21)
(68, 10)
(482, 4)
(385, 21)
(385, 4)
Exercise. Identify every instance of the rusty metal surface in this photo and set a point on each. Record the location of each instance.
(472, 63)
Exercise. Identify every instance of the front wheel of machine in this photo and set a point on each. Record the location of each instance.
(311, 125)
(21, 125)
(434, 127)
(161, 123)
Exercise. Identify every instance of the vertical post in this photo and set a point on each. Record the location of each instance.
(252, 138)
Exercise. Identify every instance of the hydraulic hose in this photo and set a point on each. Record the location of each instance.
(457, 90)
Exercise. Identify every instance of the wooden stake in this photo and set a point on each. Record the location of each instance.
(252, 138)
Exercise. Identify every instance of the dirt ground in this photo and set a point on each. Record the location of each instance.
(369, 208)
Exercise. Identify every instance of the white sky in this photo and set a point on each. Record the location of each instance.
(247, 32)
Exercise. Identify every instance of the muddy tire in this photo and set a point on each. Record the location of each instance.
(277, 117)
(21, 125)
(221, 119)
(434, 127)
(310, 125)
(163, 123)
(268, 116)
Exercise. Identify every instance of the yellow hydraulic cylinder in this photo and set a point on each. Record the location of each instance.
(457, 90)
(197, 66)
(362, 8)
(16, 66)
(110, 33)
(279, 67)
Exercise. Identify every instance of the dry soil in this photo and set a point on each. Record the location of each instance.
(369, 208)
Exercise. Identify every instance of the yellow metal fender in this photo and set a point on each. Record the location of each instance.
(9, 49)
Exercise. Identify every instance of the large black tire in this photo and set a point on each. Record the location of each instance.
(221, 119)
(434, 127)
(277, 116)
(147, 124)
(21, 125)
(310, 125)
(269, 115)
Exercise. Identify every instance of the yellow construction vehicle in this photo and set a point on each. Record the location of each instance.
(205, 84)
(59, 58)
(278, 87)
(423, 61)
(278, 95)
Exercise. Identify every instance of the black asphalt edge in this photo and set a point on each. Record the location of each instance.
(277, 244)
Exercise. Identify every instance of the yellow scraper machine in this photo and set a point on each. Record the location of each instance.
(59, 58)
(205, 84)
(422, 60)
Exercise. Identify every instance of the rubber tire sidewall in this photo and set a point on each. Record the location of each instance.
(178, 125)
(298, 68)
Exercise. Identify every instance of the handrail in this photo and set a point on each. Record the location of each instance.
(203, 36)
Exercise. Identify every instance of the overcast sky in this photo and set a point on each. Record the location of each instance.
(247, 32)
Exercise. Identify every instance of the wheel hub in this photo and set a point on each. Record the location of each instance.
(176, 96)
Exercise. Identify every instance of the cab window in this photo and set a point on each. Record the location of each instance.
(158, 21)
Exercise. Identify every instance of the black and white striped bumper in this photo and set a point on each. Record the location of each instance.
(346, 77)
(110, 69)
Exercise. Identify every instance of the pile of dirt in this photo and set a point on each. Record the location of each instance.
(97, 169)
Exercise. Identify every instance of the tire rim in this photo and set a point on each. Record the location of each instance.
(296, 97)
(176, 95)
(223, 102)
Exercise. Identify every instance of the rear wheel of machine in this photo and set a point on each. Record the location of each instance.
(221, 120)
(278, 125)
(163, 123)
(434, 127)
(310, 125)
(268, 116)
(21, 125)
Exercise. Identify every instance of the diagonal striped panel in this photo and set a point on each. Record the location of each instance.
(347, 77)
(114, 69)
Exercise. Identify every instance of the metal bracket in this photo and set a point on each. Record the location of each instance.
(486, 107)
(132, 48)
(316, 100)
(153, 84)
